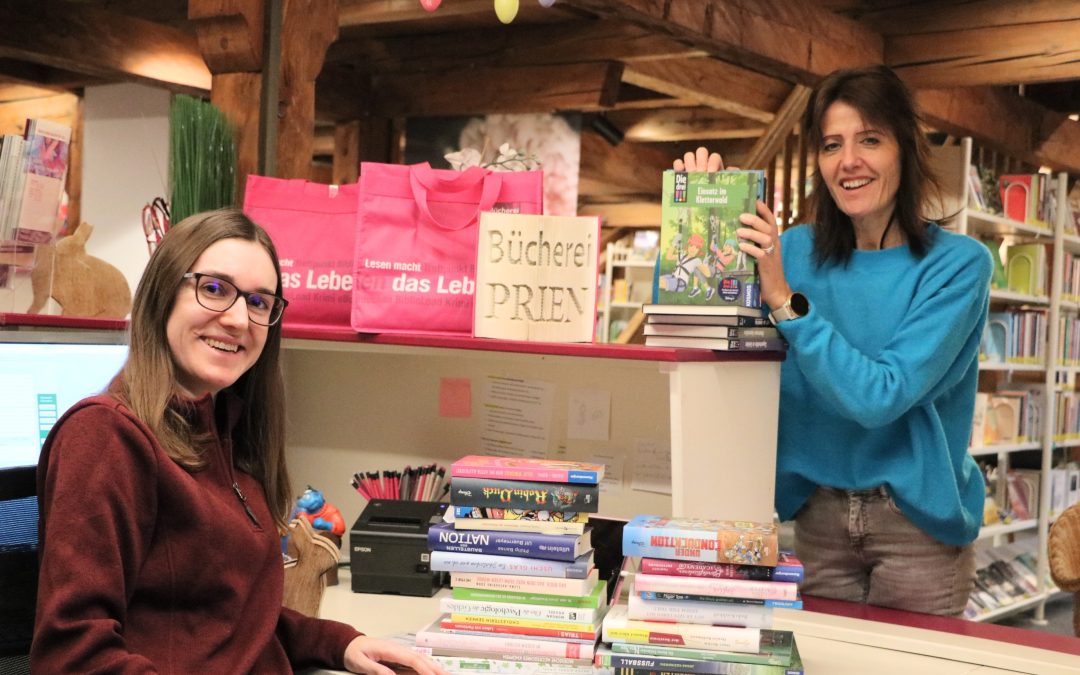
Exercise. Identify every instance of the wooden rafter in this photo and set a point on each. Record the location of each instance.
(999, 120)
(684, 124)
(713, 83)
(514, 45)
(581, 86)
(90, 41)
(766, 147)
(1028, 52)
(794, 40)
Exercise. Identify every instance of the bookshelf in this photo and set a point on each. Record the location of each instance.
(634, 277)
(954, 165)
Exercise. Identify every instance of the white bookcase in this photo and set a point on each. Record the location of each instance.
(953, 164)
(637, 274)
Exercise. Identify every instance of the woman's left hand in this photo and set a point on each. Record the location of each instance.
(364, 654)
(762, 241)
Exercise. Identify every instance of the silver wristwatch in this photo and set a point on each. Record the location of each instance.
(797, 305)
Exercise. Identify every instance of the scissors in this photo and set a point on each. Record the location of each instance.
(155, 222)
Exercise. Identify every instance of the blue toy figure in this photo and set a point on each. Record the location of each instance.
(322, 515)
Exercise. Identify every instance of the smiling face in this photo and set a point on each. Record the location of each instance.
(211, 350)
(860, 166)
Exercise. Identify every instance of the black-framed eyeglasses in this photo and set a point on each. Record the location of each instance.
(217, 294)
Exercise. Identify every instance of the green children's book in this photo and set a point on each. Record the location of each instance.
(700, 262)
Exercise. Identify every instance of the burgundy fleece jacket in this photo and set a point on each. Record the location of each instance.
(147, 568)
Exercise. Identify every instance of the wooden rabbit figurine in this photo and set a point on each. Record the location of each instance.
(81, 284)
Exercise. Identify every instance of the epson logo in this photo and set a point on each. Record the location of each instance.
(362, 549)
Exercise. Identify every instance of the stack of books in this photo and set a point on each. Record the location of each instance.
(524, 588)
(700, 599)
(717, 327)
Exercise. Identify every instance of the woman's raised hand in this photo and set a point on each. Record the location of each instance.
(702, 160)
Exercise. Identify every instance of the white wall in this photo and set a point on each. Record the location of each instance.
(125, 165)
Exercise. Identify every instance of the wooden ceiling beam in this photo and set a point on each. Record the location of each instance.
(581, 86)
(373, 13)
(932, 16)
(712, 83)
(514, 45)
(87, 40)
(998, 119)
(1028, 52)
(792, 40)
(686, 124)
(787, 118)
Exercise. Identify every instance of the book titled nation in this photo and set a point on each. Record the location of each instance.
(434, 636)
(524, 584)
(523, 468)
(452, 561)
(717, 541)
(519, 494)
(568, 547)
(788, 568)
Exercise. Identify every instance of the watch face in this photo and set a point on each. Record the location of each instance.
(800, 304)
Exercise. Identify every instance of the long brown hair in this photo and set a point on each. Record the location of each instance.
(147, 382)
(885, 102)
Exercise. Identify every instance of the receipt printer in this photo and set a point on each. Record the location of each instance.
(388, 549)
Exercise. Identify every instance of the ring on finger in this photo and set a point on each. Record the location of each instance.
(769, 249)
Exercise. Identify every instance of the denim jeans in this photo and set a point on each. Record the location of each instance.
(856, 545)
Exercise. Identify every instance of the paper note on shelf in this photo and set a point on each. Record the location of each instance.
(652, 467)
(588, 414)
(516, 417)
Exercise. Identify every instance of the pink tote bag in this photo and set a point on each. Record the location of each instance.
(415, 260)
(314, 230)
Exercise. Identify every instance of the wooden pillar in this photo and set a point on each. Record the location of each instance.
(346, 152)
(230, 34)
(307, 29)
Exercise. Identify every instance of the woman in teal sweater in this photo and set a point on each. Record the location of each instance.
(883, 312)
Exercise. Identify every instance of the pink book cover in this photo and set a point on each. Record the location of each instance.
(721, 588)
(46, 169)
(521, 468)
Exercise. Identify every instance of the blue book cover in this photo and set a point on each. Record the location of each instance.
(454, 561)
(568, 547)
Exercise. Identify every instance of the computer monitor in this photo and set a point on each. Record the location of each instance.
(39, 380)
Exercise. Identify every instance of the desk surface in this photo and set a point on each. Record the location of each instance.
(835, 638)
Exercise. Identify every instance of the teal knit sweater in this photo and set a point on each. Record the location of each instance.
(879, 384)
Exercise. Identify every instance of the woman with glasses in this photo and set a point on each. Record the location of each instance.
(162, 500)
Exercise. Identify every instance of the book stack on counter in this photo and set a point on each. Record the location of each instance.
(718, 327)
(700, 599)
(525, 592)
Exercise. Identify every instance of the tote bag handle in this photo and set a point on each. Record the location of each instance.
(424, 182)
